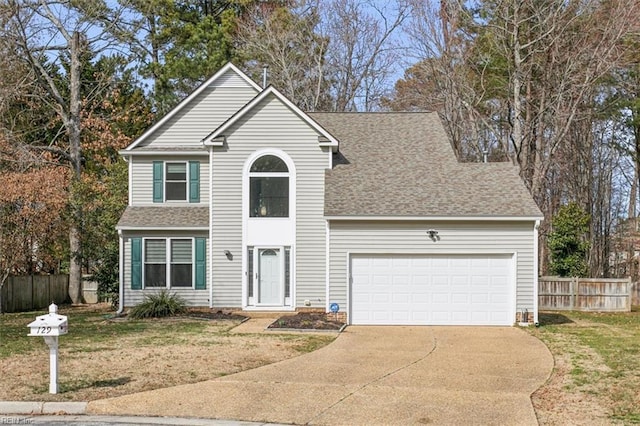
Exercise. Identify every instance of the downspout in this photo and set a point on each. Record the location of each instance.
(535, 273)
(120, 273)
(210, 257)
(327, 265)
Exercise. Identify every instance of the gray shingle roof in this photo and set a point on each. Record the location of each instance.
(152, 217)
(402, 164)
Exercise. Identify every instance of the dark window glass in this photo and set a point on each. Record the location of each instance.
(269, 197)
(269, 163)
(181, 275)
(155, 275)
(155, 268)
(176, 181)
(181, 263)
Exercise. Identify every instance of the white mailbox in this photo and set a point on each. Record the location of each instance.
(50, 327)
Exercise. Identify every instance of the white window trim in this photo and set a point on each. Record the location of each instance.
(164, 181)
(286, 174)
(245, 217)
(167, 241)
(255, 261)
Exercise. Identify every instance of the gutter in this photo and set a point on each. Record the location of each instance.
(120, 273)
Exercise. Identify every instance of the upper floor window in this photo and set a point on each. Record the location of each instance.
(269, 187)
(176, 181)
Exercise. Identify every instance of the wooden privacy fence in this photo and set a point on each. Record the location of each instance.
(34, 292)
(584, 294)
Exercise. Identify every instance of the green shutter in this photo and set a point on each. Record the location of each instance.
(136, 263)
(201, 263)
(194, 181)
(158, 184)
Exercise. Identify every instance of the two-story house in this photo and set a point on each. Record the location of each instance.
(238, 199)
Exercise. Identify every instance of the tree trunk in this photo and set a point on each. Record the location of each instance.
(75, 152)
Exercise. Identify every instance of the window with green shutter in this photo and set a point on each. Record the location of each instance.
(158, 181)
(194, 181)
(201, 263)
(176, 181)
(168, 263)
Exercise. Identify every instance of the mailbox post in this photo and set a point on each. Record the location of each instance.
(50, 327)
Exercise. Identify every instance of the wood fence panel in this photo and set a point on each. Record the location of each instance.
(29, 293)
(58, 289)
(556, 294)
(604, 295)
(41, 298)
(20, 294)
(635, 294)
(584, 294)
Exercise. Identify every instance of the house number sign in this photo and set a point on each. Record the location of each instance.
(43, 330)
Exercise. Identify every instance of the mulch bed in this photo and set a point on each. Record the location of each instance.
(212, 315)
(307, 321)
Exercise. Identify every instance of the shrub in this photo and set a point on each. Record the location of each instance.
(161, 304)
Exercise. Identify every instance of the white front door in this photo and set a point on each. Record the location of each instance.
(269, 276)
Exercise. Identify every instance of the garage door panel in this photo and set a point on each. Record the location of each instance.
(438, 290)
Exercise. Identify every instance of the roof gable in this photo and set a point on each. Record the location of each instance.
(228, 76)
(216, 138)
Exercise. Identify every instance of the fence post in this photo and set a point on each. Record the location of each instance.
(576, 292)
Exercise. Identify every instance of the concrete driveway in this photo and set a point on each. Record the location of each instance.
(372, 375)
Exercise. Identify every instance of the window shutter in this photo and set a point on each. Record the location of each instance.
(158, 178)
(201, 263)
(136, 263)
(194, 181)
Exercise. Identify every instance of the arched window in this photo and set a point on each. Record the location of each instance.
(269, 187)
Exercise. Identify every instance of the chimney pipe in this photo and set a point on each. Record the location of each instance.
(265, 75)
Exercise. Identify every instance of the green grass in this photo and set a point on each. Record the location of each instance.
(604, 349)
(89, 331)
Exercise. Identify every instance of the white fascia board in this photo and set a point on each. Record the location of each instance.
(188, 99)
(438, 218)
(209, 140)
(127, 154)
(162, 228)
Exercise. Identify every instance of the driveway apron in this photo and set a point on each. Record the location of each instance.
(372, 375)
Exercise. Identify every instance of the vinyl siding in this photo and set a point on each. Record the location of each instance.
(231, 80)
(142, 178)
(411, 238)
(269, 125)
(133, 297)
(201, 116)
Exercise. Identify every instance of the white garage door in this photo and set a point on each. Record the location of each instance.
(432, 290)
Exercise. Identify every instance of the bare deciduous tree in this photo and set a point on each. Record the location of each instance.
(286, 41)
(52, 38)
(363, 52)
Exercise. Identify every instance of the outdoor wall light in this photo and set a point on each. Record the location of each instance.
(433, 234)
(228, 254)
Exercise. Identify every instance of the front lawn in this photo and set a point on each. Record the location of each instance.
(596, 379)
(103, 357)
